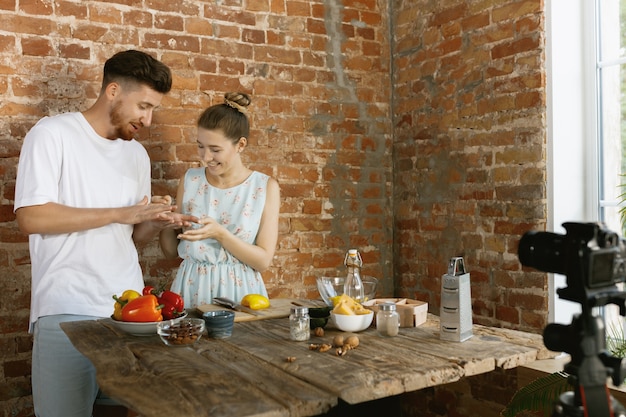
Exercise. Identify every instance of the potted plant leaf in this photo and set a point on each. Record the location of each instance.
(538, 397)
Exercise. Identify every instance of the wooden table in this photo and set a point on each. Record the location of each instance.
(249, 374)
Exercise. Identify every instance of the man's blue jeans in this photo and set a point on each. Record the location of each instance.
(63, 379)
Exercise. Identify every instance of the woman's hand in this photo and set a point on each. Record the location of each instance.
(204, 228)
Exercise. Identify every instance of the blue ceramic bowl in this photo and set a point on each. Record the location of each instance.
(219, 323)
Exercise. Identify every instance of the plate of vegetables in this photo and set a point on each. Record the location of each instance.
(138, 313)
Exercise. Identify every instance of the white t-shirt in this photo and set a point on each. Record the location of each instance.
(63, 160)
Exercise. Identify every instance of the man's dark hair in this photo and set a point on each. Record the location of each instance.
(138, 67)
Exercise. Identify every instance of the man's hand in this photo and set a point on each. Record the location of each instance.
(173, 220)
(162, 199)
(144, 212)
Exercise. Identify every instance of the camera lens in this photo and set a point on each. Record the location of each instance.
(559, 338)
(544, 251)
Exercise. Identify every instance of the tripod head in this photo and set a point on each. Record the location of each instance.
(593, 260)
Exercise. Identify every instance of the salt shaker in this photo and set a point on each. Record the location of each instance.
(299, 324)
(387, 320)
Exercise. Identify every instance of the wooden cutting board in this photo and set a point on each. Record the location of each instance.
(279, 308)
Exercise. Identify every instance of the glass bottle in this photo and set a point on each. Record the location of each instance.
(353, 286)
(299, 324)
(387, 320)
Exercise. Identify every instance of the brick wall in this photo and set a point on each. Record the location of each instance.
(469, 151)
(455, 168)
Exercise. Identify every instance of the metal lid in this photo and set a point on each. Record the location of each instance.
(387, 307)
(299, 310)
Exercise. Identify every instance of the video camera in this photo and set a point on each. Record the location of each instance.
(592, 257)
(593, 260)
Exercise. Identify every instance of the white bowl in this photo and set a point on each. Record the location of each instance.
(139, 328)
(352, 323)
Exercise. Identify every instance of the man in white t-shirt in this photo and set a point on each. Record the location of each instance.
(83, 197)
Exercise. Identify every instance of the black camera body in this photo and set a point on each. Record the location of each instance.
(592, 258)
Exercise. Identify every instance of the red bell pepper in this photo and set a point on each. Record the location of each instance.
(173, 304)
(145, 308)
(171, 298)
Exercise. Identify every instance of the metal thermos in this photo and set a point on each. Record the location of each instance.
(455, 314)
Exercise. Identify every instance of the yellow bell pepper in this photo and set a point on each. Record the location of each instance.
(121, 301)
(255, 301)
(117, 311)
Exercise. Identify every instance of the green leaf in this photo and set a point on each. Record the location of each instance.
(540, 395)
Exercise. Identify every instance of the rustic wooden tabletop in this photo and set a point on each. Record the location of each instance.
(259, 371)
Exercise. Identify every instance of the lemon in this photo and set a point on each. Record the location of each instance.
(255, 301)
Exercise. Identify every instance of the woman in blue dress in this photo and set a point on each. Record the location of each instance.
(236, 236)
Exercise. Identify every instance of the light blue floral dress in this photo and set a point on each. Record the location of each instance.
(207, 269)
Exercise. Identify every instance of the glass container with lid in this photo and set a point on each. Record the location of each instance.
(387, 320)
(299, 324)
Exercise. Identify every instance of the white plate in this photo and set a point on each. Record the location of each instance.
(138, 329)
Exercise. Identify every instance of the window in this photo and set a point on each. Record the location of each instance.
(611, 88)
(610, 76)
(586, 58)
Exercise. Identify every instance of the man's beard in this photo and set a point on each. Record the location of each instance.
(122, 130)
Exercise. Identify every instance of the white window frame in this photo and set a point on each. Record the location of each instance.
(571, 114)
(573, 143)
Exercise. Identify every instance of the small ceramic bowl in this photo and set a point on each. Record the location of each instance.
(352, 323)
(219, 323)
(319, 317)
(180, 332)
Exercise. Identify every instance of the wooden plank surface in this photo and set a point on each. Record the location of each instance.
(382, 367)
(248, 374)
(212, 378)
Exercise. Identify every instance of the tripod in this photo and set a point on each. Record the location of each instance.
(591, 365)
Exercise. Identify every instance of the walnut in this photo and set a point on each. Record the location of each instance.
(341, 351)
(325, 347)
(353, 341)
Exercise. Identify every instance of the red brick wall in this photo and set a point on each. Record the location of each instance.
(469, 152)
(319, 77)
(456, 168)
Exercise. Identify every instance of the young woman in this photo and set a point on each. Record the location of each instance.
(235, 238)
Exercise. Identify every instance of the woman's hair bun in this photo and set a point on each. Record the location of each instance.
(237, 101)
